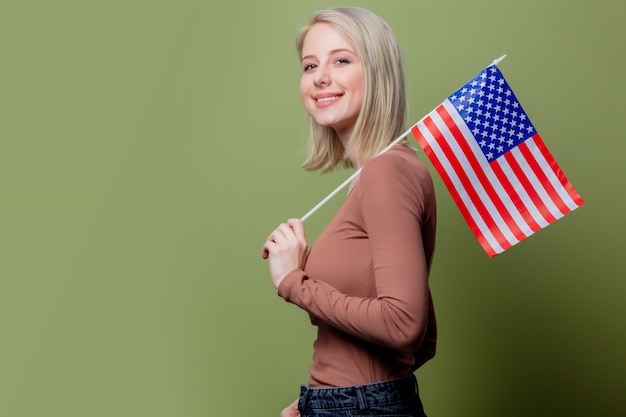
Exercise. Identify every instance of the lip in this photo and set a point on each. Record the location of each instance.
(326, 99)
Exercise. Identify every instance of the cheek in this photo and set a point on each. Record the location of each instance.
(303, 90)
(358, 84)
(305, 96)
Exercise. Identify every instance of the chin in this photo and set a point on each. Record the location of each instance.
(328, 122)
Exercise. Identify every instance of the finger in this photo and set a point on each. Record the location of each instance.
(278, 235)
(281, 234)
(275, 238)
(286, 230)
(297, 226)
(273, 241)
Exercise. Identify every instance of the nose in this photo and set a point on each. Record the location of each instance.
(322, 77)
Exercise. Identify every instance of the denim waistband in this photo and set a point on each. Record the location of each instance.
(360, 396)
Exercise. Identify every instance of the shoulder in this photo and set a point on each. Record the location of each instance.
(399, 166)
(395, 184)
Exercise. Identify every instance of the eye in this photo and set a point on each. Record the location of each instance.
(342, 61)
(309, 67)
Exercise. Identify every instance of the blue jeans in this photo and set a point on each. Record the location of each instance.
(395, 398)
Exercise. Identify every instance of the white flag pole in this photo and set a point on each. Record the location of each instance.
(357, 172)
(498, 60)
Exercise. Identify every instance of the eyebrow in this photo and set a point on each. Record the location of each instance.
(334, 51)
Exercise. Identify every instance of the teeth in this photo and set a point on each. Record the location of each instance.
(327, 98)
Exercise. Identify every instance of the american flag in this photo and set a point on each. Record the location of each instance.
(499, 172)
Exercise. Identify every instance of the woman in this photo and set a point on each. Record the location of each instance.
(365, 281)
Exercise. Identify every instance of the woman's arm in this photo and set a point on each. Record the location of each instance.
(392, 208)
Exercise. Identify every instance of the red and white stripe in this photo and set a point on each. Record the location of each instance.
(506, 200)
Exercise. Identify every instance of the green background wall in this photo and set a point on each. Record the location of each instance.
(147, 148)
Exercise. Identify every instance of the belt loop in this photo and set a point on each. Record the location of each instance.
(413, 381)
(360, 395)
(305, 393)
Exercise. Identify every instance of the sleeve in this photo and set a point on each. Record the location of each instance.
(391, 201)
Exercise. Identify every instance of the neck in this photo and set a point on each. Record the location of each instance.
(345, 137)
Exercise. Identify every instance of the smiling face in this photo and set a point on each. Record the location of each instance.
(331, 85)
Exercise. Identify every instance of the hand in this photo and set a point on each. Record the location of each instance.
(286, 247)
(291, 410)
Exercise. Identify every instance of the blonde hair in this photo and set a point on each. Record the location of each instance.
(382, 115)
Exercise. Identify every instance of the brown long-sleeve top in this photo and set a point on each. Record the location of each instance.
(365, 282)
